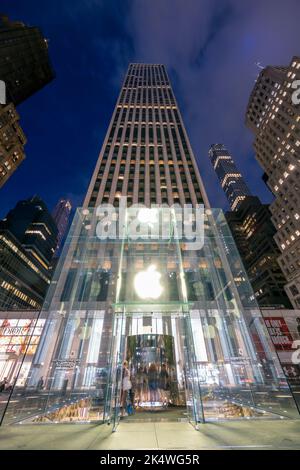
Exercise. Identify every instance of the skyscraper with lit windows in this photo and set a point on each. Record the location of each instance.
(25, 68)
(273, 115)
(230, 178)
(252, 229)
(28, 237)
(146, 155)
(61, 215)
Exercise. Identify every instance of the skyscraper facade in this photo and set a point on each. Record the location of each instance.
(61, 216)
(12, 141)
(28, 237)
(274, 117)
(25, 67)
(230, 178)
(146, 155)
(153, 293)
(252, 229)
(253, 232)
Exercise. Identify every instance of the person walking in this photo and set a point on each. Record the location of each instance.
(40, 384)
(164, 384)
(153, 382)
(3, 385)
(126, 386)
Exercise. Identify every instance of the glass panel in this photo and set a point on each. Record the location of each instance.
(114, 395)
(184, 317)
(192, 378)
(152, 369)
(17, 328)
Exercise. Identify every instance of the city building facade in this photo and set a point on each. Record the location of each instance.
(150, 286)
(12, 142)
(16, 329)
(230, 178)
(25, 67)
(146, 155)
(273, 114)
(61, 215)
(253, 232)
(284, 328)
(28, 237)
(252, 229)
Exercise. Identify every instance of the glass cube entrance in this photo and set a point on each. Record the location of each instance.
(140, 320)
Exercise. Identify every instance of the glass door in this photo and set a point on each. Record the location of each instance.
(156, 352)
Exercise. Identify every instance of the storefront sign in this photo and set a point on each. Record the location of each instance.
(66, 364)
(279, 332)
(15, 335)
(14, 331)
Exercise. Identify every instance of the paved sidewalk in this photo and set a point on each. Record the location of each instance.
(265, 435)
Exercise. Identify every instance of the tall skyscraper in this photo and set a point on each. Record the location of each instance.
(12, 141)
(156, 291)
(252, 229)
(25, 66)
(253, 232)
(28, 237)
(230, 178)
(61, 216)
(274, 116)
(146, 154)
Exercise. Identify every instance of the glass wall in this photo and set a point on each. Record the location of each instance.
(157, 351)
(20, 332)
(142, 321)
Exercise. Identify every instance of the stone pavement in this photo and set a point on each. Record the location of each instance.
(256, 434)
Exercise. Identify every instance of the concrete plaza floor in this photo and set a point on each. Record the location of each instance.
(256, 434)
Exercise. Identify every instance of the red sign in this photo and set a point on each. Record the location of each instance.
(279, 333)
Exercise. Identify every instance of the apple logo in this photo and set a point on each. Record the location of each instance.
(147, 285)
(147, 216)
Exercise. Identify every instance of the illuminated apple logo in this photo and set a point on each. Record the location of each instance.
(147, 283)
(147, 216)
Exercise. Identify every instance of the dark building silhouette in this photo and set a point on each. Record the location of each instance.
(24, 66)
(28, 238)
(24, 69)
(253, 231)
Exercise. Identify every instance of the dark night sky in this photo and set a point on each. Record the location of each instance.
(210, 48)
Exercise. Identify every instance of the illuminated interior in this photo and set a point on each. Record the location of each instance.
(184, 322)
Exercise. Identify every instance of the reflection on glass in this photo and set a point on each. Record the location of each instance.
(199, 350)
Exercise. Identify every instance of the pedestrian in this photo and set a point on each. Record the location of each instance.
(126, 386)
(153, 382)
(40, 384)
(3, 384)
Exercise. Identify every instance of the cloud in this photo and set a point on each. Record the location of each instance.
(211, 49)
